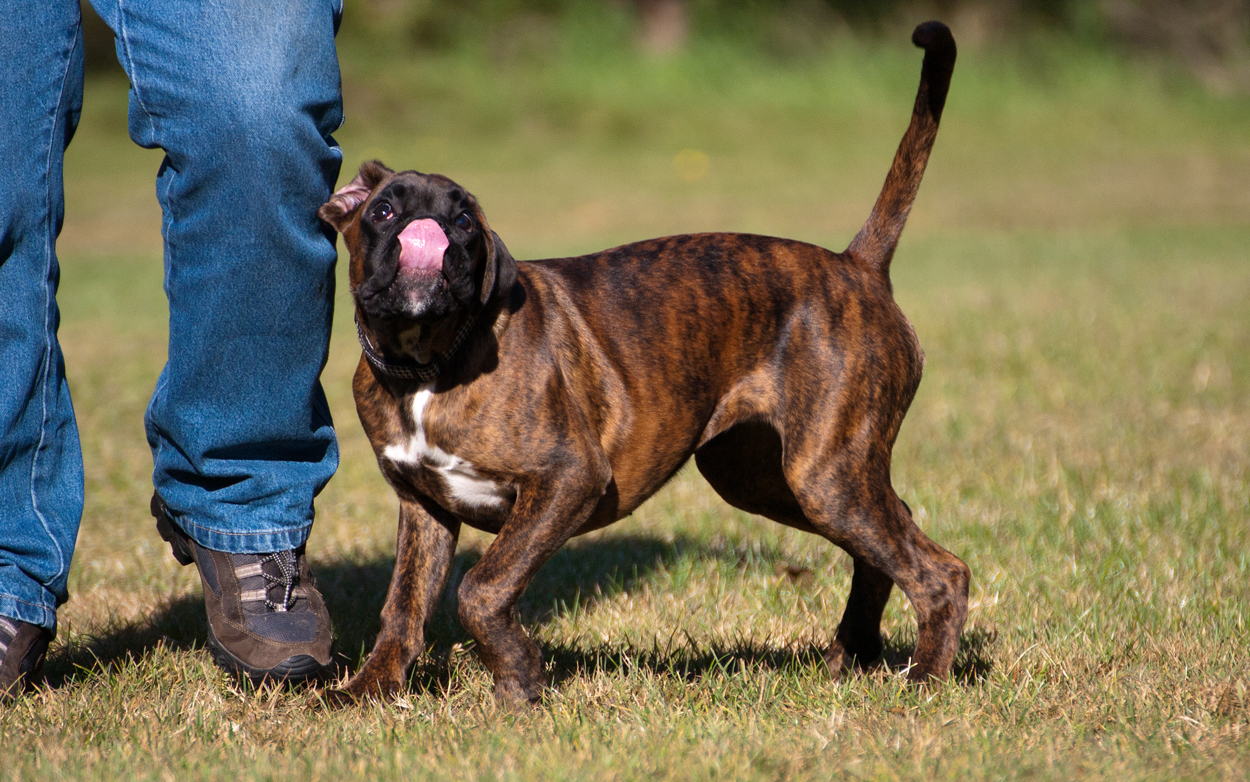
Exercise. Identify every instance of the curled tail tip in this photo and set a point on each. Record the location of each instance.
(939, 62)
(935, 38)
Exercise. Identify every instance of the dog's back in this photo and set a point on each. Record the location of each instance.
(739, 327)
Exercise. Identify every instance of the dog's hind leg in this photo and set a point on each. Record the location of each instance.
(427, 541)
(875, 527)
(858, 640)
(744, 466)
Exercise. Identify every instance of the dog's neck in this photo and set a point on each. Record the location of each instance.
(422, 351)
(416, 342)
(424, 341)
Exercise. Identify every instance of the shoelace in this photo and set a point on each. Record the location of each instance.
(285, 560)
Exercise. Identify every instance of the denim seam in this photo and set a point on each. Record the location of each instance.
(48, 353)
(48, 613)
(129, 65)
(42, 606)
(188, 526)
(163, 198)
(186, 523)
(156, 446)
(167, 226)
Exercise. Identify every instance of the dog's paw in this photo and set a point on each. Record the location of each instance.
(363, 688)
(924, 676)
(841, 660)
(338, 699)
(837, 660)
(513, 695)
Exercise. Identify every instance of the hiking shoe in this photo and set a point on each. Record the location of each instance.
(23, 648)
(266, 619)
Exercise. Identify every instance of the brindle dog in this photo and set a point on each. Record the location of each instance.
(541, 400)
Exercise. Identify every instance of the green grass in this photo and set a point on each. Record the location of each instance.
(1076, 268)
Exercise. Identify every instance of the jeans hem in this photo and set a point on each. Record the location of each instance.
(41, 614)
(250, 542)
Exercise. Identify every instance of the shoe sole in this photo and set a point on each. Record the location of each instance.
(298, 668)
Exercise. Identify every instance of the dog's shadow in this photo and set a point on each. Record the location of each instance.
(575, 579)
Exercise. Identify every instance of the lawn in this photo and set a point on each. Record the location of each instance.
(1077, 269)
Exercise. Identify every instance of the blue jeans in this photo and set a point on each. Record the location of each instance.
(242, 95)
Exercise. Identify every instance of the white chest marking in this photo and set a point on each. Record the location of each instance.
(465, 483)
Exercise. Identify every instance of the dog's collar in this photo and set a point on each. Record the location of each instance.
(411, 369)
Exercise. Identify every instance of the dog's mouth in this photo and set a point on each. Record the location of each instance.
(417, 287)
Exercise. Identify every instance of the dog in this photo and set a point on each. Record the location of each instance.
(541, 400)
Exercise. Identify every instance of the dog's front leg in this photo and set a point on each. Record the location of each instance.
(427, 541)
(546, 515)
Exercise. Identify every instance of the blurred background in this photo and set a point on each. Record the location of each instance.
(620, 119)
(1210, 37)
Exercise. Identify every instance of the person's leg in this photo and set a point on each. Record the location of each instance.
(242, 96)
(41, 477)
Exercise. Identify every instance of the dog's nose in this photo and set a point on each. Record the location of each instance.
(421, 245)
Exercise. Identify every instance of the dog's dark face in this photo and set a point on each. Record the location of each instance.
(420, 247)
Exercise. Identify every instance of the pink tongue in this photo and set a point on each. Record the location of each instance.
(421, 245)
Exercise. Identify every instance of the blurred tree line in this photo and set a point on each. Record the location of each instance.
(1210, 37)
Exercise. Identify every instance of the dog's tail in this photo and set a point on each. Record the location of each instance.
(876, 241)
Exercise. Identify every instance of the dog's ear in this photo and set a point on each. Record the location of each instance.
(500, 272)
(346, 200)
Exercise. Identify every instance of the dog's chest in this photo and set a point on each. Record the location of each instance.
(464, 488)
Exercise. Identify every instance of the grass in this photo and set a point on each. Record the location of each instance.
(1076, 268)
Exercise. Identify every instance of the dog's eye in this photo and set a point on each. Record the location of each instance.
(382, 212)
(464, 222)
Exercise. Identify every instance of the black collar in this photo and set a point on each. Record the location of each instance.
(410, 368)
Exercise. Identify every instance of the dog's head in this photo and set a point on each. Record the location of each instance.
(420, 247)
